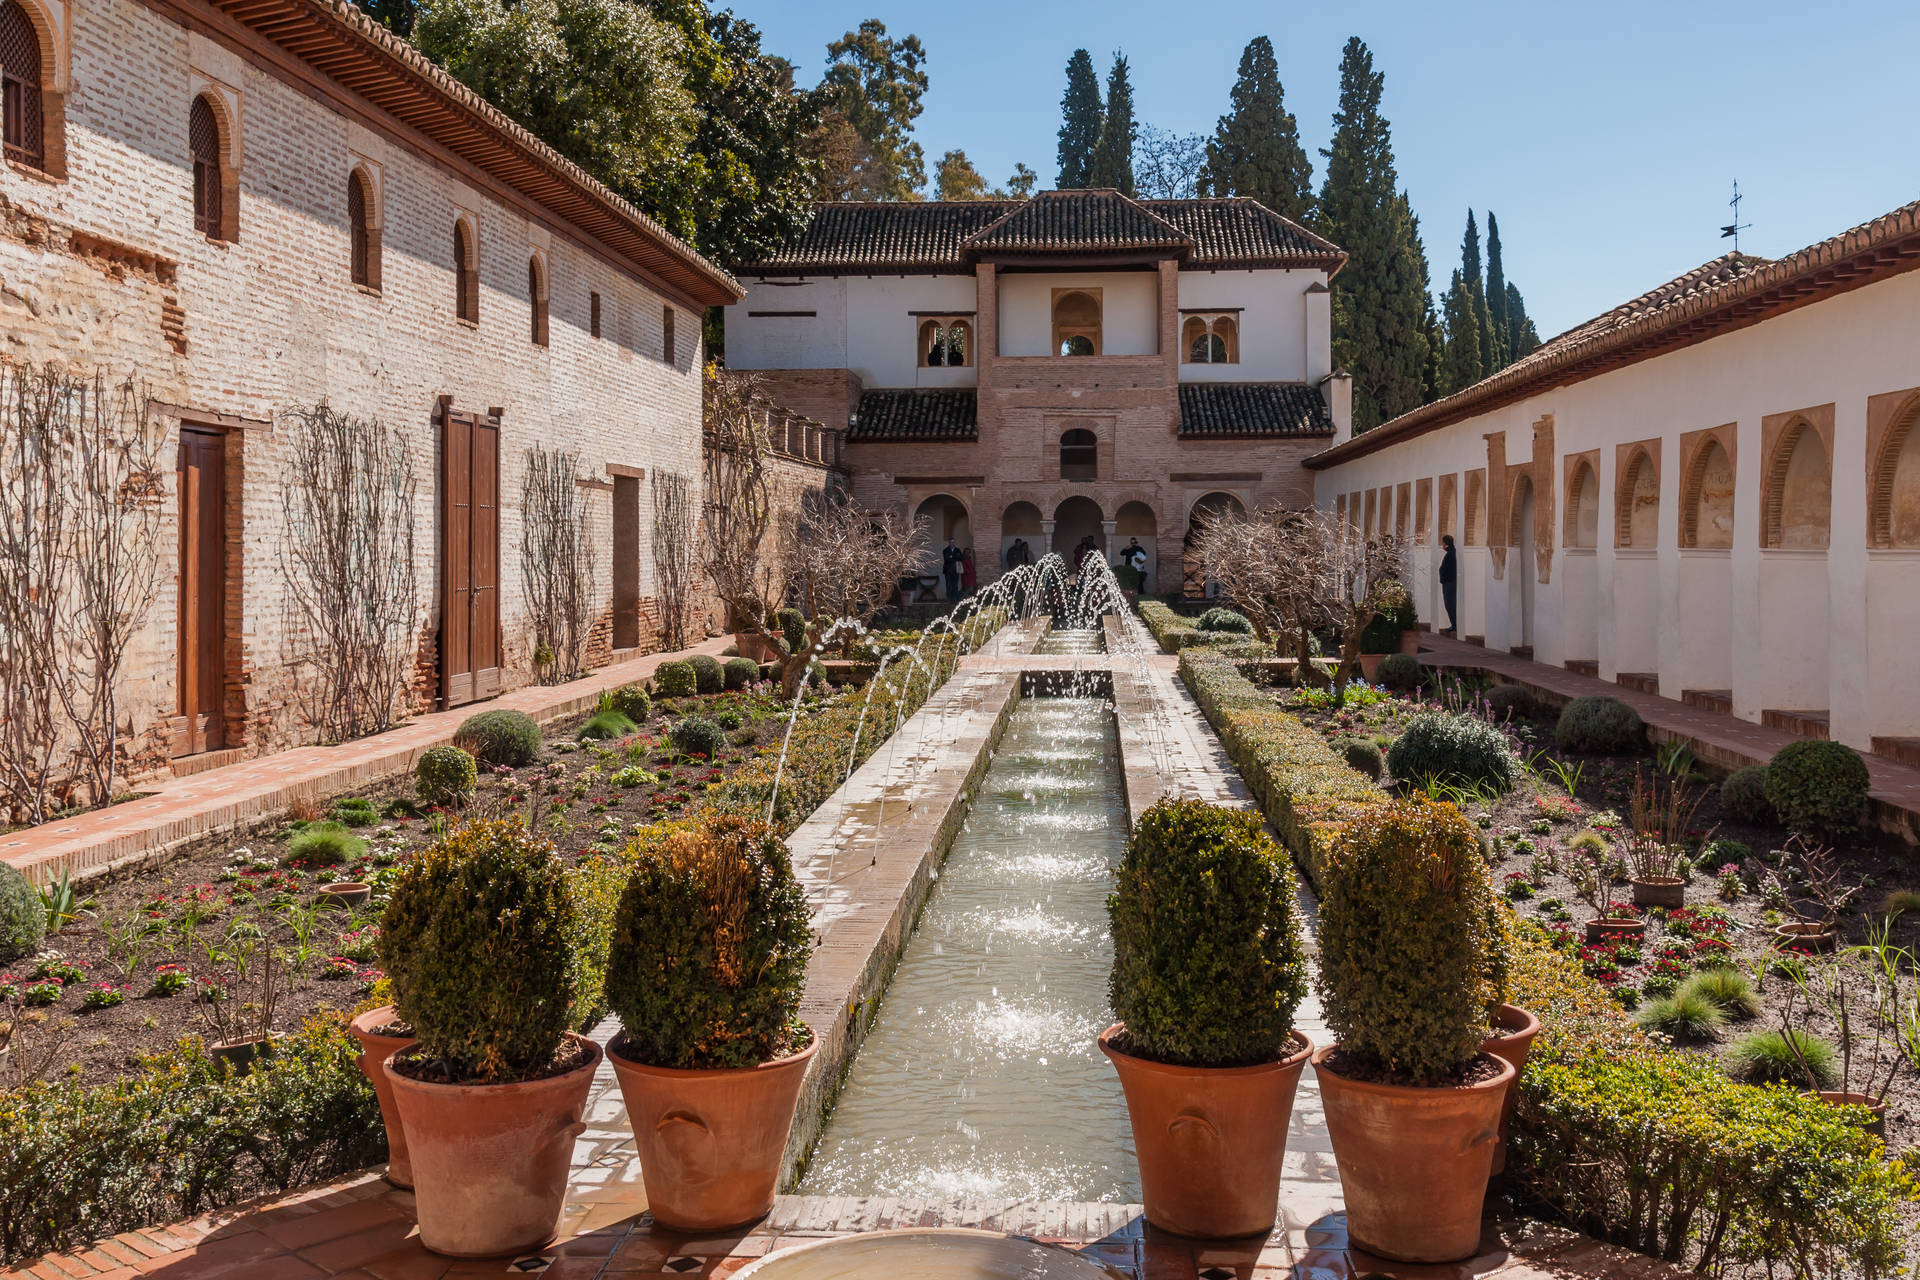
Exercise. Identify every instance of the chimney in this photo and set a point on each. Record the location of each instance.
(1336, 389)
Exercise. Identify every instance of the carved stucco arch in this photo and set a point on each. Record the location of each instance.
(1773, 502)
(1886, 465)
(1626, 485)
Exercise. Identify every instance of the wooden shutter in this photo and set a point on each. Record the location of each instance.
(470, 538)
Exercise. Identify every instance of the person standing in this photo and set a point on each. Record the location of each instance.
(1019, 554)
(1449, 581)
(950, 569)
(969, 578)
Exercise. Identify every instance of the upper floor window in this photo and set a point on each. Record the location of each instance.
(1079, 455)
(667, 344)
(1210, 339)
(537, 299)
(20, 87)
(363, 227)
(1076, 322)
(214, 214)
(593, 313)
(946, 342)
(466, 273)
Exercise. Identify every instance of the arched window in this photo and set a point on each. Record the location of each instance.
(537, 299)
(20, 87)
(466, 274)
(211, 216)
(1076, 322)
(1210, 340)
(1079, 455)
(1708, 514)
(945, 342)
(1799, 491)
(364, 230)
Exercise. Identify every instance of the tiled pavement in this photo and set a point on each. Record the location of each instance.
(1713, 736)
(180, 809)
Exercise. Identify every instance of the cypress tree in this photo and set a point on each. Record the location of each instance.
(1431, 377)
(1113, 157)
(1082, 116)
(1380, 296)
(1498, 354)
(1477, 290)
(1461, 366)
(1255, 150)
(1522, 338)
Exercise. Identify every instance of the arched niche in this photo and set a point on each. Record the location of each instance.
(1709, 499)
(1637, 506)
(1893, 516)
(1583, 507)
(1798, 508)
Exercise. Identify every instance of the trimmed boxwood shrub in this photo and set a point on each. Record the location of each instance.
(354, 811)
(708, 675)
(1509, 702)
(1218, 619)
(741, 672)
(1818, 787)
(1405, 901)
(631, 701)
(1402, 672)
(793, 628)
(324, 844)
(1208, 966)
(23, 920)
(1744, 795)
(607, 724)
(478, 939)
(1363, 755)
(499, 737)
(445, 777)
(1599, 725)
(1459, 750)
(710, 947)
(699, 736)
(1173, 631)
(1382, 635)
(675, 680)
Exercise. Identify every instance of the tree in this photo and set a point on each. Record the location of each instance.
(955, 178)
(1522, 338)
(675, 524)
(1498, 354)
(1020, 185)
(1168, 166)
(1379, 298)
(1255, 150)
(1083, 114)
(1476, 291)
(1432, 378)
(556, 562)
(1462, 365)
(846, 562)
(1113, 157)
(875, 84)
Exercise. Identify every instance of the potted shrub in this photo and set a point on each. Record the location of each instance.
(381, 1034)
(1412, 1103)
(1207, 971)
(1592, 875)
(477, 941)
(1657, 823)
(1514, 1028)
(708, 958)
(238, 981)
(1394, 629)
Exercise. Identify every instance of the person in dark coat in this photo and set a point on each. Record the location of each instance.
(1449, 581)
(950, 568)
(1019, 554)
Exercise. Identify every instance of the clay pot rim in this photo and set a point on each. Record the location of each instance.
(218, 1046)
(1507, 1026)
(1662, 881)
(399, 1080)
(623, 1063)
(342, 886)
(1290, 1062)
(1804, 929)
(765, 1261)
(1846, 1097)
(375, 1018)
(1507, 1073)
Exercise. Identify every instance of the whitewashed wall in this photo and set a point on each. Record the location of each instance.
(1274, 310)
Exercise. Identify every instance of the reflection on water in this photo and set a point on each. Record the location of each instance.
(980, 1078)
(1070, 641)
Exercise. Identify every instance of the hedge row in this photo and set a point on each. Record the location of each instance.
(79, 1162)
(1627, 1140)
(1174, 631)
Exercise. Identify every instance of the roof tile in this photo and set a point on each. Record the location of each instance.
(1242, 410)
(943, 414)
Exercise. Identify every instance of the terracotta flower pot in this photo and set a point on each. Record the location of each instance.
(1808, 935)
(1370, 667)
(755, 647)
(1616, 929)
(1210, 1140)
(711, 1142)
(243, 1054)
(1410, 642)
(1878, 1106)
(1514, 1029)
(1413, 1162)
(490, 1161)
(374, 1052)
(1662, 891)
(346, 893)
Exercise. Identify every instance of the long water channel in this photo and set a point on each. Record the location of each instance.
(980, 1077)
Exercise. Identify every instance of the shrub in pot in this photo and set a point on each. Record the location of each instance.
(1817, 788)
(1208, 969)
(476, 939)
(709, 955)
(1457, 750)
(1413, 1104)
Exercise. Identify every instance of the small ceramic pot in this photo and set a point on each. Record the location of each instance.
(1512, 1040)
(243, 1054)
(1877, 1107)
(346, 893)
(1616, 929)
(1661, 891)
(1808, 935)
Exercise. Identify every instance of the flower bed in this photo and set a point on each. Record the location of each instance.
(1174, 631)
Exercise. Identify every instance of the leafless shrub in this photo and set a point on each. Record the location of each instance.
(845, 562)
(736, 519)
(348, 500)
(557, 563)
(675, 522)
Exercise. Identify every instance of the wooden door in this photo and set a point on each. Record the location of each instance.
(198, 726)
(470, 539)
(626, 562)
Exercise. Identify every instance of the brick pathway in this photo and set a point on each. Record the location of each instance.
(233, 795)
(1714, 737)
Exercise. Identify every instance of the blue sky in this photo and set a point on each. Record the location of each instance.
(1606, 137)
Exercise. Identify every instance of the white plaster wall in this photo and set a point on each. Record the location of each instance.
(761, 341)
(883, 334)
(1274, 333)
(1728, 620)
(1129, 310)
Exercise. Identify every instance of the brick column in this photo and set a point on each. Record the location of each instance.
(1170, 318)
(986, 294)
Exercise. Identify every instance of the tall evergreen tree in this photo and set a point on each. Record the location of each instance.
(875, 83)
(1497, 356)
(1461, 367)
(1522, 337)
(1113, 157)
(1431, 376)
(1255, 150)
(1380, 296)
(1476, 283)
(1082, 114)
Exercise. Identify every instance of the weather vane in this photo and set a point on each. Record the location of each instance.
(1735, 227)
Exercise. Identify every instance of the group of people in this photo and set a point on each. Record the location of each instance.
(956, 566)
(962, 579)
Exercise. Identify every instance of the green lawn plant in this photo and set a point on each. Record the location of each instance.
(675, 680)
(1783, 1057)
(1454, 749)
(1817, 788)
(324, 844)
(1208, 964)
(1729, 990)
(445, 778)
(1689, 1017)
(477, 938)
(602, 725)
(499, 737)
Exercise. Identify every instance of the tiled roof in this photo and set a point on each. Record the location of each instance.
(1080, 222)
(1729, 293)
(943, 236)
(1224, 410)
(945, 414)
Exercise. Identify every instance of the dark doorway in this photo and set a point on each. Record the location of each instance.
(199, 725)
(626, 562)
(470, 542)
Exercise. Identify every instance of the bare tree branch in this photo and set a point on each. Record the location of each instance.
(675, 524)
(844, 562)
(557, 563)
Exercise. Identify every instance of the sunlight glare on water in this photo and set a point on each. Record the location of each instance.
(980, 1078)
